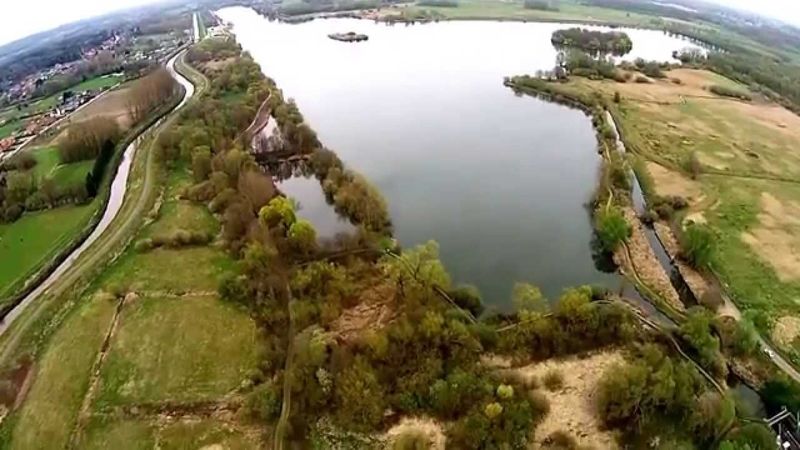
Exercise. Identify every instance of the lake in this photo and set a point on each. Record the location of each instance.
(500, 181)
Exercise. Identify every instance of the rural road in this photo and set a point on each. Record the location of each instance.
(105, 238)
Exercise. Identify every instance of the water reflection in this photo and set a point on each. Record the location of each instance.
(500, 181)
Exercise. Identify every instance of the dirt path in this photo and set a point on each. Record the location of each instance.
(85, 413)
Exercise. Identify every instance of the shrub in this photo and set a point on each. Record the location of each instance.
(468, 298)
(440, 3)
(664, 211)
(553, 380)
(264, 402)
(692, 165)
(541, 5)
(144, 245)
(412, 440)
(505, 391)
(649, 217)
(612, 228)
(653, 70)
(560, 440)
(698, 245)
(725, 91)
(711, 299)
(540, 405)
(20, 161)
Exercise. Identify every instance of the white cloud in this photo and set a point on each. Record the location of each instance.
(785, 10)
(25, 17)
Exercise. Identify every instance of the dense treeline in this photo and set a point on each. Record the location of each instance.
(317, 6)
(749, 26)
(84, 140)
(101, 64)
(150, 92)
(542, 5)
(777, 80)
(593, 41)
(442, 3)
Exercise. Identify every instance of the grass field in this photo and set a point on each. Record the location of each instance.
(71, 174)
(34, 239)
(180, 214)
(178, 435)
(747, 190)
(9, 128)
(165, 347)
(104, 434)
(177, 271)
(514, 10)
(48, 165)
(178, 349)
(205, 434)
(51, 407)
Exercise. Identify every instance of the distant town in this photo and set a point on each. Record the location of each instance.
(32, 110)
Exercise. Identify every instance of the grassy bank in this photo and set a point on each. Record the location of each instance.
(175, 344)
(22, 282)
(568, 11)
(734, 162)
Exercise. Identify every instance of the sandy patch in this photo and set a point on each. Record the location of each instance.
(572, 408)
(671, 183)
(776, 239)
(696, 217)
(373, 312)
(786, 330)
(218, 64)
(429, 428)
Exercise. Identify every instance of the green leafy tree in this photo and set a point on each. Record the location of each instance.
(201, 163)
(612, 228)
(302, 236)
(527, 297)
(698, 245)
(469, 298)
(360, 399)
(279, 211)
(712, 415)
(493, 410)
(696, 330)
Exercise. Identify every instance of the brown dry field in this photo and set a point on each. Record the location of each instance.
(113, 104)
(777, 237)
(748, 189)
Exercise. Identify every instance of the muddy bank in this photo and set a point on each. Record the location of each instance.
(645, 263)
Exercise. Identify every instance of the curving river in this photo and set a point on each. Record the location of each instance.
(115, 201)
(500, 181)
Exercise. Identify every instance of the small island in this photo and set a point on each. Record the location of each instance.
(350, 36)
(595, 42)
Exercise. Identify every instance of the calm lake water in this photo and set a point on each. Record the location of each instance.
(500, 181)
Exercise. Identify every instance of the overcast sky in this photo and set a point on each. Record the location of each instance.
(25, 17)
